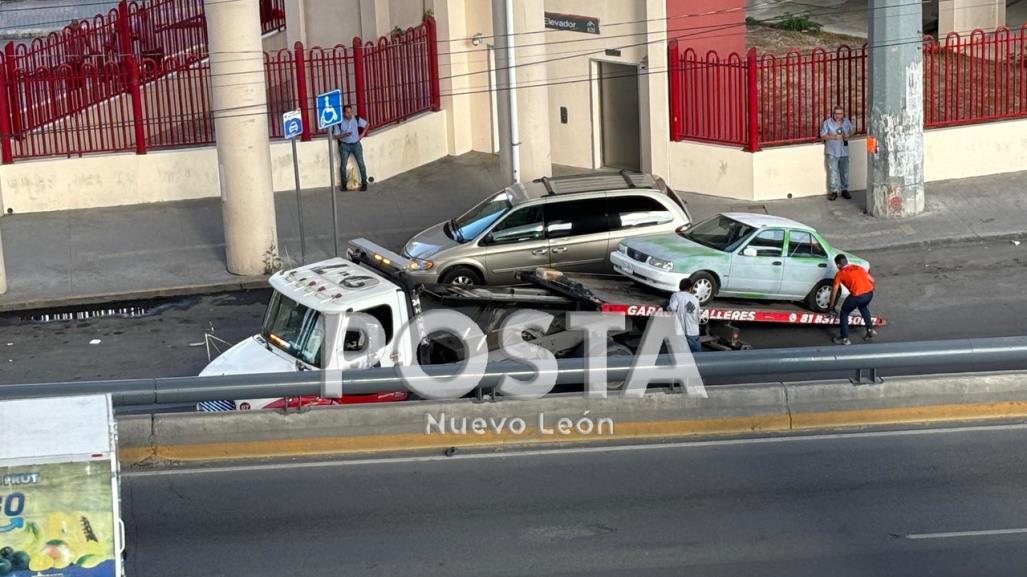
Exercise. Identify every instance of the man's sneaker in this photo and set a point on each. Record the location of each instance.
(841, 341)
(832, 196)
(846, 195)
(871, 333)
(363, 186)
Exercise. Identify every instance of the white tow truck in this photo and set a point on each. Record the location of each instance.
(301, 327)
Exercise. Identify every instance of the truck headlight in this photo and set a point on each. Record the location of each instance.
(660, 263)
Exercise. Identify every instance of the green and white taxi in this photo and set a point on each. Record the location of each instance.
(738, 255)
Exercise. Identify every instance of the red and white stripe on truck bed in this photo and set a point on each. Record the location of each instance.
(747, 315)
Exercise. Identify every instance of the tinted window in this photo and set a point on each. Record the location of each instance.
(719, 232)
(802, 243)
(576, 217)
(634, 211)
(521, 225)
(768, 243)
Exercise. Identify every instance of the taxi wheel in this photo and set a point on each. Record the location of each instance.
(818, 298)
(461, 275)
(704, 287)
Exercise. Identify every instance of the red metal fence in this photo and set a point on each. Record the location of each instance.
(762, 100)
(147, 104)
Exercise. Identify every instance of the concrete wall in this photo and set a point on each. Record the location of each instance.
(119, 179)
(777, 172)
(407, 13)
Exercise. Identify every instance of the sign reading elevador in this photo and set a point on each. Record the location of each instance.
(572, 23)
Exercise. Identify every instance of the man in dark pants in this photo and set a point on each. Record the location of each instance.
(685, 306)
(348, 133)
(860, 285)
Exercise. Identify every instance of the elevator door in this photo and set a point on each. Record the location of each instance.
(618, 107)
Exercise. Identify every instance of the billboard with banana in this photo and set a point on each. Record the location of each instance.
(56, 519)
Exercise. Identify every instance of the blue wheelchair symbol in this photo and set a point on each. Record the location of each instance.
(329, 109)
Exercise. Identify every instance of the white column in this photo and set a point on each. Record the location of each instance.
(239, 98)
(295, 22)
(653, 102)
(962, 16)
(454, 68)
(531, 91)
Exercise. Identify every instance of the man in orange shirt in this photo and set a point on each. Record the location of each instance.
(860, 285)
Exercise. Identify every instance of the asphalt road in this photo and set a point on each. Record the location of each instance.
(919, 503)
(973, 289)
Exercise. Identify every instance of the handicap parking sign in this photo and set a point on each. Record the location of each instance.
(292, 124)
(329, 109)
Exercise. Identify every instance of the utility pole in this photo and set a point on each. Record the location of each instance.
(895, 131)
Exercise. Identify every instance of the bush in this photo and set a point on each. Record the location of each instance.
(797, 23)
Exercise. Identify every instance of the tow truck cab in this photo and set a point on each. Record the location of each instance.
(302, 330)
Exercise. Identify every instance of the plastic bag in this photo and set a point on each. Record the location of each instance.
(352, 179)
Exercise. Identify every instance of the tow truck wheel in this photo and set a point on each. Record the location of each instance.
(818, 298)
(704, 287)
(461, 275)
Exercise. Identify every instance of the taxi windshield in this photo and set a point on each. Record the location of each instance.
(293, 328)
(719, 232)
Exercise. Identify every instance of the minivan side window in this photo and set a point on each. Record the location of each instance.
(521, 225)
(635, 211)
(576, 217)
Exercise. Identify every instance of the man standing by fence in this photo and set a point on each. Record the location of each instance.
(835, 132)
(348, 133)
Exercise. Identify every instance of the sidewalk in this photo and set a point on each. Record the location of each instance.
(146, 251)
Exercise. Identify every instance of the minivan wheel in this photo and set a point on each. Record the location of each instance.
(704, 287)
(462, 276)
(820, 297)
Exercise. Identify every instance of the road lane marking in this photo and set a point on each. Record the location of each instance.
(987, 532)
(568, 450)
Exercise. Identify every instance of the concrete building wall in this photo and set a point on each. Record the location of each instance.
(798, 171)
(120, 179)
(407, 13)
(573, 64)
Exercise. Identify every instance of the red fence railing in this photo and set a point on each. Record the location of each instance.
(763, 100)
(147, 104)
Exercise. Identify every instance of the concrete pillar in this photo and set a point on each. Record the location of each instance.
(295, 22)
(3, 268)
(962, 16)
(454, 68)
(531, 91)
(895, 168)
(239, 98)
(374, 19)
(653, 103)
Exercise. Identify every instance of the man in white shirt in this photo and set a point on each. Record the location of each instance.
(835, 132)
(685, 307)
(348, 133)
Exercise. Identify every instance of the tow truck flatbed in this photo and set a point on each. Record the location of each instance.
(609, 293)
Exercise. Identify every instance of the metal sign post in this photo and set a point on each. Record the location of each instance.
(292, 127)
(329, 114)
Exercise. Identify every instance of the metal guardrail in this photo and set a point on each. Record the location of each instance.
(977, 354)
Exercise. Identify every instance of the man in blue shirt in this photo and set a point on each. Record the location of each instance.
(348, 133)
(835, 132)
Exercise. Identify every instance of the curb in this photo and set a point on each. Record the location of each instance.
(244, 283)
(942, 242)
(155, 440)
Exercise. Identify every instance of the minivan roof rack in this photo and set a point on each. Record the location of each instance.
(627, 178)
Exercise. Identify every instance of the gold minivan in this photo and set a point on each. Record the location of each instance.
(570, 223)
